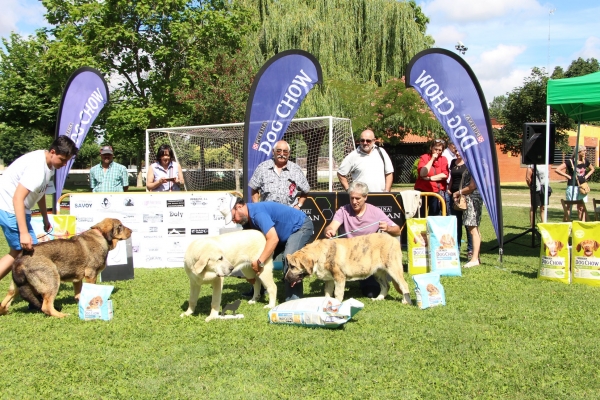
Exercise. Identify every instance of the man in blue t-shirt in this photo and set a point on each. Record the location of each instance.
(286, 229)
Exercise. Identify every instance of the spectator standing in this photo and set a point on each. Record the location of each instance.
(537, 197)
(369, 164)
(279, 179)
(572, 169)
(432, 175)
(165, 174)
(108, 176)
(22, 185)
(457, 169)
(472, 216)
(450, 154)
(286, 229)
(360, 218)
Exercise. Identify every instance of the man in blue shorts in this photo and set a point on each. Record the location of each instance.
(285, 228)
(22, 185)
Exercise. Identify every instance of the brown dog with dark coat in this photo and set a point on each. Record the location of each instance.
(37, 273)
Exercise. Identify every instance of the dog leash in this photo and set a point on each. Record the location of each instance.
(356, 230)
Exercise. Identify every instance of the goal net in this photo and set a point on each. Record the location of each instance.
(211, 156)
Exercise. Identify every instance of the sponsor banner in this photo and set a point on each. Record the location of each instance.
(449, 86)
(276, 94)
(84, 96)
(163, 224)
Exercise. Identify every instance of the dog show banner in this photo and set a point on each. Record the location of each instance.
(449, 86)
(276, 94)
(84, 96)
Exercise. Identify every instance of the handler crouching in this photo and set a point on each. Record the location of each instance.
(285, 228)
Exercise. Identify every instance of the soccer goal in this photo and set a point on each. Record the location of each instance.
(211, 156)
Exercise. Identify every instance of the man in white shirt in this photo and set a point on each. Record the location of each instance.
(368, 164)
(22, 185)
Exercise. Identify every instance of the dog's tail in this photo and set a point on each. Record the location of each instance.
(25, 289)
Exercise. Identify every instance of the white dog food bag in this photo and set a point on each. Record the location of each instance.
(323, 312)
(585, 261)
(429, 290)
(94, 302)
(444, 257)
(554, 252)
(417, 246)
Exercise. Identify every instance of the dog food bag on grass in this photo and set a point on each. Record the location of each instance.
(429, 290)
(323, 312)
(443, 250)
(417, 245)
(585, 261)
(554, 251)
(94, 302)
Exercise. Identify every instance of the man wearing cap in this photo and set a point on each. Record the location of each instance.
(285, 228)
(108, 176)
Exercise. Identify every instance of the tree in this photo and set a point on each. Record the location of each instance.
(582, 67)
(497, 106)
(528, 104)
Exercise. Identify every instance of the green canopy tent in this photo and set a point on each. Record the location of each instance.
(578, 97)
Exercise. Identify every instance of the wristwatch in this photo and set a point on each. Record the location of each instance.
(259, 263)
(299, 205)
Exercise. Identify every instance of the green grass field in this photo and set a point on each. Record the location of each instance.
(503, 334)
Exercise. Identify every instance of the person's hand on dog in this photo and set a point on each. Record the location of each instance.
(383, 226)
(256, 268)
(26, 241)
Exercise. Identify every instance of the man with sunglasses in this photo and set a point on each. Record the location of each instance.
(279, 179)
(368, 164)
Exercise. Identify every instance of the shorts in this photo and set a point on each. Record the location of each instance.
(537, 199)
(8, 222)
(573, 194)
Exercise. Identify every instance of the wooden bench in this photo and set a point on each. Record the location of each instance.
(568, 207)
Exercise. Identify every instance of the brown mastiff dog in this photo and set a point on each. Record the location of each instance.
(37, 273)
(337, 260)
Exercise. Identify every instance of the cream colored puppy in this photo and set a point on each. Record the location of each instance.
(208, 260)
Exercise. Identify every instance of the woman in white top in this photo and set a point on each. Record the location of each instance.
(165, 174)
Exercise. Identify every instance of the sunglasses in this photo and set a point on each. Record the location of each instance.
(280, 151)
(442, 141)
(366, 140)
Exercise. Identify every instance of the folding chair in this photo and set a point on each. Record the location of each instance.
(568, 207)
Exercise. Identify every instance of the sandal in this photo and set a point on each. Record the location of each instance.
(471, 264)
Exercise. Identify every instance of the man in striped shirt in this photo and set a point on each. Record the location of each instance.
(108, 176)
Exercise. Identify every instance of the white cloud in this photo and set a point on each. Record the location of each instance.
(448, 36)
(21, 16)
(493, 87)
(480, 10)
(497, 63)
(590, 49)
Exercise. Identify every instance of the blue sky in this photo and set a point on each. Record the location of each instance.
(505, 38)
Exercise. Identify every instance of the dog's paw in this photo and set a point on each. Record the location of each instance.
(406, 299)
(378, 298)
(269, 306)
(252, 301)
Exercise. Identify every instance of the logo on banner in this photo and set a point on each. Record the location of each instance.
(152, 203)
(259, 135)
(152, 218)
(105, 203)
(175, 214)
(199, 231)
(199, 216)
(128, 202)
(153, 229)
(385, 209)
(176, 203)
(176, 231)
(83, 205)
(85, 219)
(153, 258)
(198, 201)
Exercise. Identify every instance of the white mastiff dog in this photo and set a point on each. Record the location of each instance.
(208, 260)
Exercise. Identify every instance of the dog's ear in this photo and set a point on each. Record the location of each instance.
(200, 264)
(579, 247)
(595, 245)
(559, 245)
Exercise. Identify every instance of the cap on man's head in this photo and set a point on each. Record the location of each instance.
(227, 204)
(106, 150)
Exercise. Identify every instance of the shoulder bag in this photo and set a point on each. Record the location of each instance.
(461, 203)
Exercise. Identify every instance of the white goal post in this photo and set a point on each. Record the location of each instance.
(211, 156)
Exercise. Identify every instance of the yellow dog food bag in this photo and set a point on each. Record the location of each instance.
(417, 246)
(554, 252)
(585, 259)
